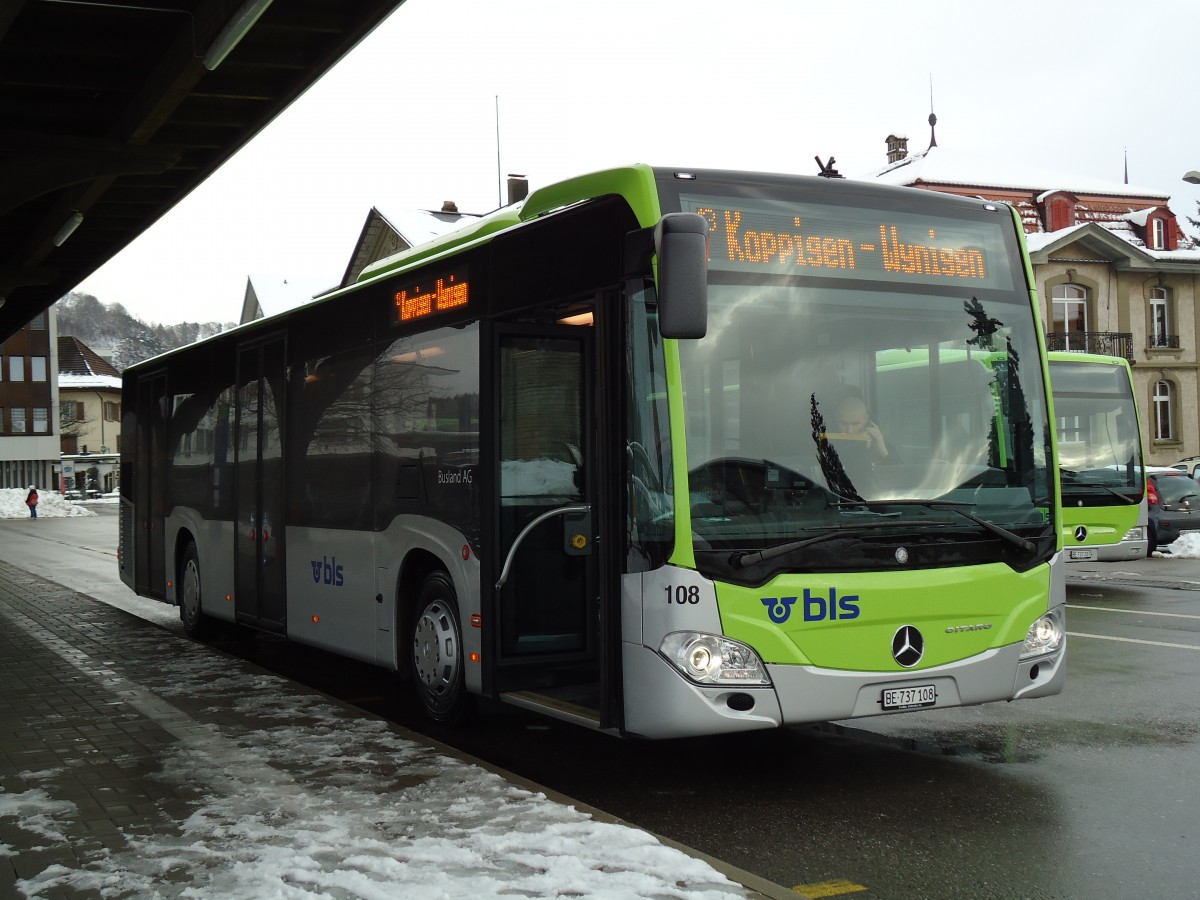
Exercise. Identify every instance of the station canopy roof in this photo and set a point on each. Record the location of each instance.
(112, 111)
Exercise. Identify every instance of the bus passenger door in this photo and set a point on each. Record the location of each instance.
(545, 608)
(258, 472)
(149, 550)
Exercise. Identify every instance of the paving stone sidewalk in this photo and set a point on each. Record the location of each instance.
(99, 705)
(135, 763)
(76, 759)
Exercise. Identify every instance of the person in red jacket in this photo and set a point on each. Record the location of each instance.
(31, 500)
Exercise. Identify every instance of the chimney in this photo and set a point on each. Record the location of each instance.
(449, 206)
(897, 148)
(518, 188)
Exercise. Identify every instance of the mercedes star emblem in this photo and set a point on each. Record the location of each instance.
(908, 646)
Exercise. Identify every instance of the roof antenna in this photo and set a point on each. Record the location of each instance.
(826, 168)
(932, 117)
(499, 183)
(1127, 165)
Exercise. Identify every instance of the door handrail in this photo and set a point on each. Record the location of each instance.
(549, 514)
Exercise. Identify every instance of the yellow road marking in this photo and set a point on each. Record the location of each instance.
(834, 888)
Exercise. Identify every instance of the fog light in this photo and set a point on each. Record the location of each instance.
(740, 702)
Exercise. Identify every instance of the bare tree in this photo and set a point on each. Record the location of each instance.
(72, 419)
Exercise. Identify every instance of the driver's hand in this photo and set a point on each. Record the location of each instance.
(875, 438)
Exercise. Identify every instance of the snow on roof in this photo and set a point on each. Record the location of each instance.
(935, 166)
(1037, 240)
(1121, 231)
(280, 293)
(1139, 217)
(1191, 254)
(420, 225)
(77, 358)
(1120, 209)
(80, 382)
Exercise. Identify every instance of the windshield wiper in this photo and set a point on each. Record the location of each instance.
(957, 506)
(744, 559)
(1077, 485)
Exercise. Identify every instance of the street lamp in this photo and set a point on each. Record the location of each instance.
(1192, 177)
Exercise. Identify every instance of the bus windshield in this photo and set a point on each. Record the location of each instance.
(853, 403)
(1099, 449)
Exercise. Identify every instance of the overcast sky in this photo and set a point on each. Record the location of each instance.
(408, 119)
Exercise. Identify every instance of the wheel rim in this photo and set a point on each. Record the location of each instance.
(191, 591)
(436, 660)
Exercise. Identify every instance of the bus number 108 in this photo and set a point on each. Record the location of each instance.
(683, 593)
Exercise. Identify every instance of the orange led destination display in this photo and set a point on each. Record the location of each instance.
(850, 242)
(431, 296)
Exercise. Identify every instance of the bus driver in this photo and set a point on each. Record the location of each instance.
(853, 418)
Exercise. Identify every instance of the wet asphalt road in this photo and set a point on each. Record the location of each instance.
(1091, 794)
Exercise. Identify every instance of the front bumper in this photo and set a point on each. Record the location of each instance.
(661, 703)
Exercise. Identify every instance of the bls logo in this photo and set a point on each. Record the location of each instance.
(778, 608)
(329, 570)
(816, 608)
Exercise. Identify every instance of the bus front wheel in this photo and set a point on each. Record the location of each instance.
(195, 623)
(437, 654)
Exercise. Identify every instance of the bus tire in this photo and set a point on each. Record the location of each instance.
(437, 662)
(195, 624)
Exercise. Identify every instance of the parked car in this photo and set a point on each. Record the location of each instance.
(1189, 464)
(1173, 506)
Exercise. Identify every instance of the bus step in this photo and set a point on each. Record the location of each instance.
(555, 707)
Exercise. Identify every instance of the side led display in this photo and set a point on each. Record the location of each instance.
(430, 296)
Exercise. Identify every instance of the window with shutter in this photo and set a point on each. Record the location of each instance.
(1158, 234)
(1060, 215)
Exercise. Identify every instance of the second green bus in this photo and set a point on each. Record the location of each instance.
(1099, 457)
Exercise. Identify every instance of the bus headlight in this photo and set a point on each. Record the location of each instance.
(1136, 533)
(1044, 636)
(712, 659)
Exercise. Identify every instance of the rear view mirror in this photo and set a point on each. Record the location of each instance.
(681, 245)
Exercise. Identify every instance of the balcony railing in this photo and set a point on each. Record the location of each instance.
(1105, 343)
(1164, 342)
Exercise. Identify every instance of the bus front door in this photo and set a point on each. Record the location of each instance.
(149, 550)
(258, 558)
(545, 605)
